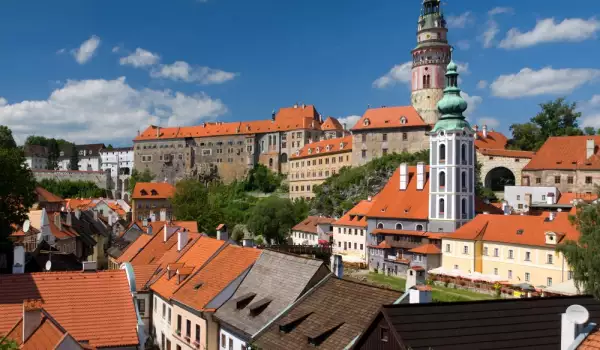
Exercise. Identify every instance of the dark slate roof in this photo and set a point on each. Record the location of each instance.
(90, 150)
(493, 324)
(277, 278)
(35, 150)
(121, 243)
(330, 316)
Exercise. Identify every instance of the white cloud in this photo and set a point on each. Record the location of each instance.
(547, 30)
(591, 112)
(86, 50)
(492, 123)
(3, 101)
(183, 71)
(500, 10)
(140, 58)
(105, 110)
(116, 49)
(460, 21)
(490, 33)
(463, 45)
(594, 101)
(61, 51)
(399, 73)
(482, 84)
(529, 82)
(472, 101)
(349, 120)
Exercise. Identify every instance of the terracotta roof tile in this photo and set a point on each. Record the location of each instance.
(426, 249)
(134, 248)
(46, 196)
(143, 273)
(209, 281)
(324, 147)
(310, 224)
(400, 232)
(91, 306)
(591, 342)
(357, 216)
(153, 190)
(566, 152)
(517, 229)
(156, 248)
(569, 197)
(494, 140)
(506, 153)
(389, 117)
(332, 123)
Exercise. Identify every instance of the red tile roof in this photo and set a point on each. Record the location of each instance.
(310, 224)
(399, 232)
(134, 248)
(47, 336)
(591, 342)
(325, 147)
(331, 124)
(46, 196)
(143, 273)
(156, 247)
(153, 190)
(191, 261)
(494, 140)
(517, 229)
(566, 153)
(426, 249)
(209, 281)
(569, 197)
(389, 117)
(91, 306)
(383, 245)
(356, 216)
(506, 153)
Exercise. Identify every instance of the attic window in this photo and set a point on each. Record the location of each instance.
(341, 145)
(198, 285)
(143, 193)
(520, 232)
(154, 193)
(259, 306)
(317, 339)
(310, 151)
(289, 326)
(244, 300)
(403, 120)
(298, 152)
(328, 148)
(366, 122)
(318, 149)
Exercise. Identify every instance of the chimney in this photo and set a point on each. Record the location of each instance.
(90, 266)
(18, 259)
(32, 316)
(345, 127)
(337, 267)
(369, 198)
(303, 106)
(420, 175)
(58, 221)
(69, 218)
(158, 131)
(420, 294)
(551, 216)
(476, 128)
(572, 325)
(149, 229)
(182, 238)
(296, 105)
(273, 115)
(166, 233)
(95, 215)
(222, 232)
(590, 147)
(485, 134)
(403, 176)
(163, 215)
(145, 223)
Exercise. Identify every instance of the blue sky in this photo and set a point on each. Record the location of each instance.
(100, 70)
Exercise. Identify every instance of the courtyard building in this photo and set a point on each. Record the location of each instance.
(314, 230)
(350, 233)
(152, 201)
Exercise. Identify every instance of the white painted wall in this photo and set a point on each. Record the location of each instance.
(36, 162)
(161, 324)
(346, 238)
(228, 337)
(110, 158)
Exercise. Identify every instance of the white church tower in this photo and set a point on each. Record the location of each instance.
(452, 160)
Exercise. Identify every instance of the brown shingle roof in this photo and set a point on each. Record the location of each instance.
(309, 224)
(91, 306)
(343, 307)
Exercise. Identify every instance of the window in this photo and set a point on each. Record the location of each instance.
(363, 153)
(419, 228)
(549, 281)
(538, 180)
(441, 206)
(495, 271)
(442, 153)
(465, 249)
(364, 138)
(380, 225)
(518, 197)
(230, 344)
(361, 247)
(549, 259)
(442, 179)
(557, 179)
(355, 246)
(463, 206)
(142, 306)
(384, 137)
(404, 136)
(509, 273)
(178, 329)
(456, 267)
(223, 340)
(496, 252)
(162, 340)
(527, 276)
(588, 180)
(463, 153)
(510, 254)
(463, 181)
(178, 347)
(485, 250)
(398, 226)
(385, 334)
(570, 180)
(188, 328)
(164, 311)
(527, 256)
(155, 303)
(543, 197)
(447, 248)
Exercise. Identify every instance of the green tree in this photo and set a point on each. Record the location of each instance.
(6, 138)
(261, 178)
(589, 130)
(8, 344)
(109, 147)
(137, 176)
(73, 189)
(480, 190)
(583, 256)
(74, 160)
(556, 118)
(53, 154)
(273, 218)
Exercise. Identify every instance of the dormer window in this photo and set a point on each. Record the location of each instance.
(403, 120)
(367, 122)
(310, 151)
(318, 149)
(551, 238)
(328, 148)
(298, 153)
(341, 145)
(144, 193)
(154, 193)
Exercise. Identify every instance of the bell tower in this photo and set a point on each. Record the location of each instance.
(430, 58)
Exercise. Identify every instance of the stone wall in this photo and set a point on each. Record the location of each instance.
(579, 181)
(489, 163)
(370, 144)
(100, 178)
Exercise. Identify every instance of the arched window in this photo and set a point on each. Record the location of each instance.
(442, 179)
(270, 162)
(380, 225)
(398, 226)
(463, 180)
(442, 206)
(463, 153)
(442, 153)
(463, 207)
(419, 228)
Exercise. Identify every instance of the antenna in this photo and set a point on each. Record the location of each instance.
(577, 314)
(48, 265)
(26, 226)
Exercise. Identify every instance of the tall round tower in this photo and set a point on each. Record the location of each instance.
(430, 58)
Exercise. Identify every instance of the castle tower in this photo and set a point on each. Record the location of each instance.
(430, 58)
(452, 162)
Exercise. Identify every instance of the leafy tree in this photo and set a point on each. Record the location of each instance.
(480, 190)
(238, 232)
(261, 178)
(73, 189)
(589, 130)
(17, 186)
(53, 154)
(6, 138)
(74, 161)
(137, 176)
(584, 255)
(273, 218)
(556, 118)
(8, 344)
(109, 147)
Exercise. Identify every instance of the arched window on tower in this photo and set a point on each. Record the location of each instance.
(463, 208)
(442, 153)
(463, 153)
(398, 226)
(442, 179)
(426, 81)
(441, 206)
(463, 181)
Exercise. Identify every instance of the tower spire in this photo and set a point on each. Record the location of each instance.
(452, 105)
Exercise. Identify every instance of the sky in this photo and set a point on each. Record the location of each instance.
(99, 71)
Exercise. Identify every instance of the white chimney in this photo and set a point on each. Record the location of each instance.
(551, 216)
(145, 223)
(572, 324)
(58, 221)
(90, 266)
(222, 234)
(182, 238)
(369, 198)
(337, 266)
(550, 198)
(484, 133)
(403, 176)
(18, 259)
(420, 175)
(149, 230)
(32, 317)
(590, 147)
(166, 233)
(158, 131)
(163, 215)
(420, 294)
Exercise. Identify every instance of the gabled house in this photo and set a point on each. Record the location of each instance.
(47, 200)
(350, 233)
(274, 282)
(151, 201)
(313, 230)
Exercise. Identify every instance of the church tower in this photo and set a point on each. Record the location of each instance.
(430, 58)
(452, 161)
